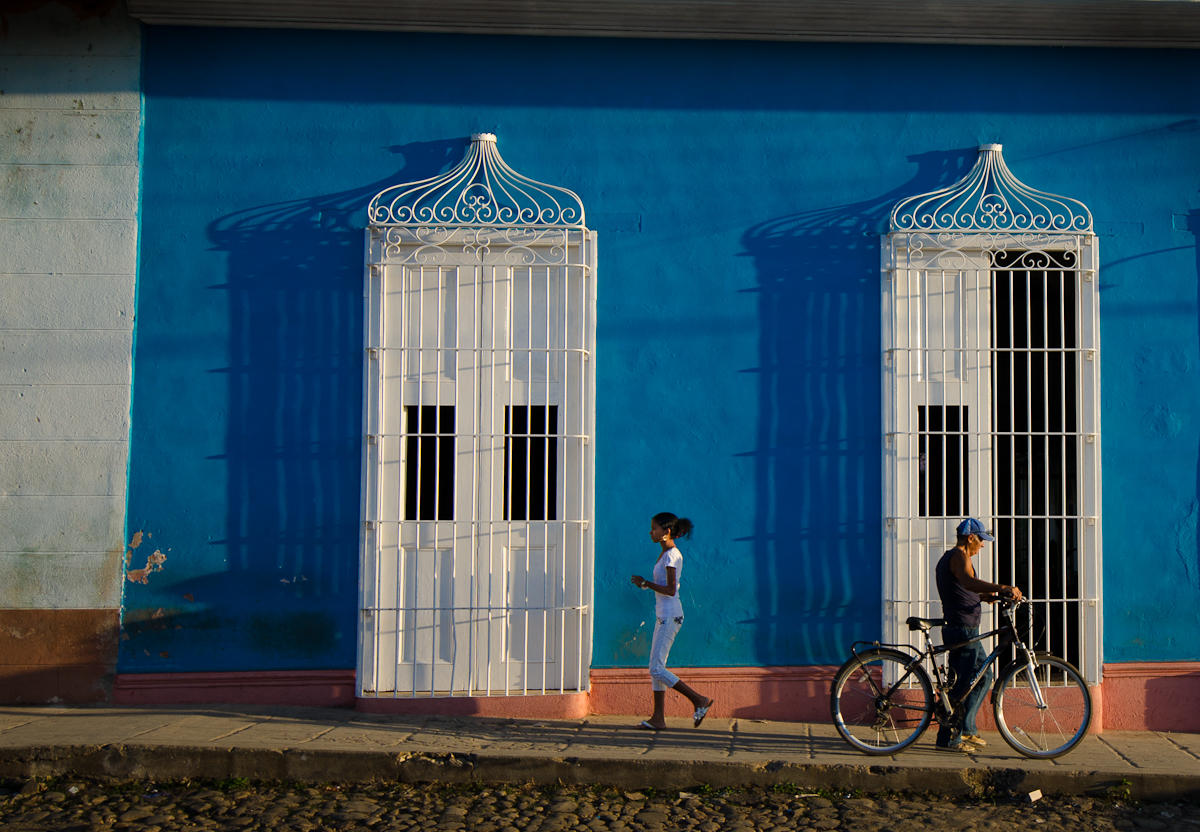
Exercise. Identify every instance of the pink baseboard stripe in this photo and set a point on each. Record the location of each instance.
(795, 694)
(538, 706)
(316, 688)
(1143, 696)
(1152, 696)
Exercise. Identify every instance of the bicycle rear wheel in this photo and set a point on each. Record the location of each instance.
(1046, 732)
(879, 705)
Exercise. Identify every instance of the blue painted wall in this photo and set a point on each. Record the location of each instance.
(739, 189)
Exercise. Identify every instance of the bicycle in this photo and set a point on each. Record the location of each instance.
(883, 699)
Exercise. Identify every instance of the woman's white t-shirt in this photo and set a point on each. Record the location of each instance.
(668, 606)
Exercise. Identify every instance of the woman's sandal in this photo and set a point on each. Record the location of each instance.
(645, 725)
(698, 717)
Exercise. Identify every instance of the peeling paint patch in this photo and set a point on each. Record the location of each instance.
(633, 645)
(153, 564)
(1162, 421)
(135, 542)
(1155, 361)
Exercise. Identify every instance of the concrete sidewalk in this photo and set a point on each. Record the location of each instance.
(330, 745)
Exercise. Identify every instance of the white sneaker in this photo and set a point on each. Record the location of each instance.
(963, 747)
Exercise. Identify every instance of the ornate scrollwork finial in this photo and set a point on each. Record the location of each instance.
(480, 191)
(991, 199)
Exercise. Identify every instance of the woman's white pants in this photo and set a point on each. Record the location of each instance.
(665, 630)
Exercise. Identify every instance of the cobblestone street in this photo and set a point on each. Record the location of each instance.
(84, 805)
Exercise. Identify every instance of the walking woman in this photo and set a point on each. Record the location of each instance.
(665, 529)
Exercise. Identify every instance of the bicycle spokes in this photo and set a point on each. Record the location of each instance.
(879, 704)
(1043, 709)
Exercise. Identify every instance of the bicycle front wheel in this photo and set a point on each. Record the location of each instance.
(879, 704)
(1037, 731)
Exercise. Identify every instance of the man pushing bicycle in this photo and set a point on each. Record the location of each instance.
(961, 593)
(883, 698)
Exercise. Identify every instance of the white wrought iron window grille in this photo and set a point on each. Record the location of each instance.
(476, 566)
(991, 401)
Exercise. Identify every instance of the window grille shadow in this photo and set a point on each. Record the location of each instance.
(292, 445)
(817, 530)
(1193, 221)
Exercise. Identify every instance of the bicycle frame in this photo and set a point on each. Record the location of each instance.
(1008, 636)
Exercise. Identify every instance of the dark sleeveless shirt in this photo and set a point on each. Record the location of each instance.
(960, 606)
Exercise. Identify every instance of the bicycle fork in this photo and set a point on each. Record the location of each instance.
(1035, 686)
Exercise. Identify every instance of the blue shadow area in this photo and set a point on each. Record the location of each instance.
(292, 461)
(817, 527)
(1189, 530)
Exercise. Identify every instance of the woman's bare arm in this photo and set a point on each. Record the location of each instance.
(667, 589)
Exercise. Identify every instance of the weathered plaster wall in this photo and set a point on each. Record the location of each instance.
(739, 190)
(70, 110)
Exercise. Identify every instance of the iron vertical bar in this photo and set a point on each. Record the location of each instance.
(459, 417)
(545, 463)
(482, 506)
(1011, 485)
(379, 379)
(491, 509)
(585, 345)
(529, 523)
(1029, 413)
(420, 428)
(439, 602)
(560, 527)
(405, 426)
(564, 463)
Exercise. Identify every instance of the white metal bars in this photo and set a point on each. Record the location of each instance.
(991, 401)
(937, 417)
(477, 555)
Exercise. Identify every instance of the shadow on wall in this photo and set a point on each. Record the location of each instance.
(818, 524)
(287, 598)
(1142, 697)
(1170, 703)
(1194, 228)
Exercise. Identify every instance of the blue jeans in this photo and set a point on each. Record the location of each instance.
(965, 662)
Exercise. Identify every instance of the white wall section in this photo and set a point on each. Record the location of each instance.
(70, 115)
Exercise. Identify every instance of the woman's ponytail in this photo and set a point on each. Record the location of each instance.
(677, 526)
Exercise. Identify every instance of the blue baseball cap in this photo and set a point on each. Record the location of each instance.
(973, 526)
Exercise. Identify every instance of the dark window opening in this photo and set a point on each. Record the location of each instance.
(1033, 342)
(942, 490)
(1036, 417)
(429, 462)
(531, 462)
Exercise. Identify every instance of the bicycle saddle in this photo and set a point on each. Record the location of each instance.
(915, 623)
